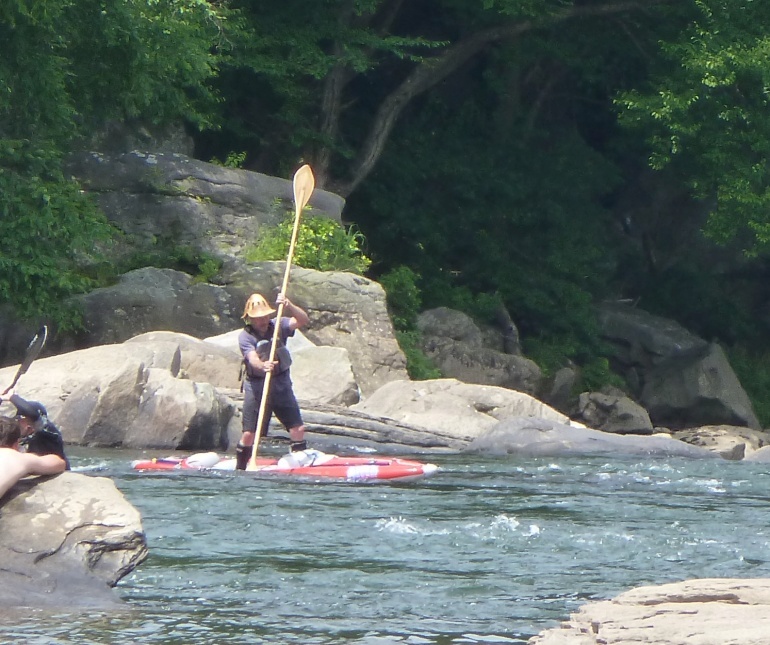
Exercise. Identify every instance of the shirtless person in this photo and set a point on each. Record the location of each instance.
(14, 464)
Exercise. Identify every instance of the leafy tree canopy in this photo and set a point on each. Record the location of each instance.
(69, 66)
(704, 111)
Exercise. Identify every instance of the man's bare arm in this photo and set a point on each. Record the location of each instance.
(44, 464)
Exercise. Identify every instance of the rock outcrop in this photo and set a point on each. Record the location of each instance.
(456, 345)
(544, 437)
(461, 410)
(680, 379)
(346, 312)
(65, 541)
(612, 412)
(703, 612)
(187, 202)
(731, 442)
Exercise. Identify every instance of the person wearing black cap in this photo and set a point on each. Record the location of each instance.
(39, 435)
(14, 464)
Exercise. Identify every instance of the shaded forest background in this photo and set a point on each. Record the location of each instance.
(536, 155)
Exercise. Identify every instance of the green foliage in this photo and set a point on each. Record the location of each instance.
(596, 373)
(496, 188)
(403, 297)
(418, 366)
(404, 302)
(496, 222)
(752, 368)
(48, 228)
(274, 80)
(233, 160)
(704, 113)
(711, 305)
(66, 68)
(321, 244)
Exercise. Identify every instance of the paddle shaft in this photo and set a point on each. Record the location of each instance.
(304, 183)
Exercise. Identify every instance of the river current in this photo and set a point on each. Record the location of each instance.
(488, 550)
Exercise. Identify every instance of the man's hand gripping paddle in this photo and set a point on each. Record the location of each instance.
(304, 184)
(33, 351)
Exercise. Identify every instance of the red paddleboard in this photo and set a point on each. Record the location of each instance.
(307, 463)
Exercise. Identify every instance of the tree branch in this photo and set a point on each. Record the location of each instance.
(433, 70)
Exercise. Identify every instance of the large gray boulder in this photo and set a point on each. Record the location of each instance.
(65, 540)
(612, 412)
(346, 312)
(456, 345)
(149, 300)
(681, 380)
(731, 442)
(189, 358)
(640, 339)
(461, 410)
(698, 389)
(129, 395)
(321, 375)
(759, 456)
(172, 391)
(704, 612)
(174, 200)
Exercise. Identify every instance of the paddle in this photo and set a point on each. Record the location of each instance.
(33, 351)
(304, 183)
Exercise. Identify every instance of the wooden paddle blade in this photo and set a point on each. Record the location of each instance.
(33, 351)
(304, 184)
(34, 348)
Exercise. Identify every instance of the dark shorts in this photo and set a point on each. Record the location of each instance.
(281, 403)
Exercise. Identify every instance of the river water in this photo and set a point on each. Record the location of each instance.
(488, 550)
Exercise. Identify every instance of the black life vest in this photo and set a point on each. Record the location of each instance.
(264, 343)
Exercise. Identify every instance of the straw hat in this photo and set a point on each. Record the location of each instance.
(256, 306)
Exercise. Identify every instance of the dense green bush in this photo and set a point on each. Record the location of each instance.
(403, 297)
(48, 230)
(321, 244)
(67, 69)
(752, 368)
(418, 365)
(404, 304)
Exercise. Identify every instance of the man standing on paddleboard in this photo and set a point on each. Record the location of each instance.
(255, 345)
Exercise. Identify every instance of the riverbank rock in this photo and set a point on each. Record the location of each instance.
(172, 391)
(540, 437)
(129, 395)
(680, 379)
(346, 312)
(761, 456)
(461, 410)
(65, 541)
(730, 442)
(612, 412)
(456, 345)
(695, 612)
(174, 200)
